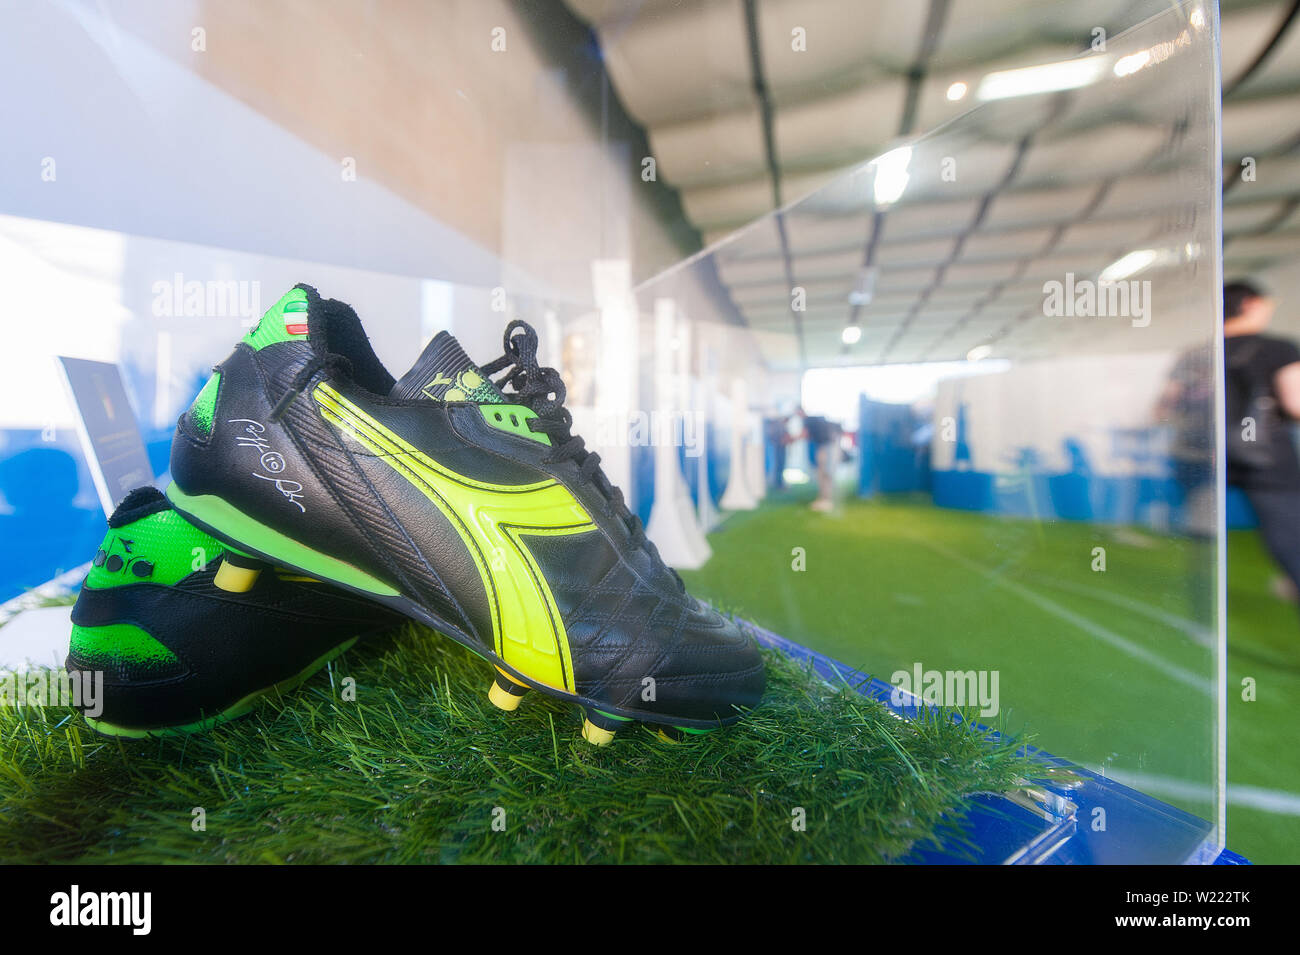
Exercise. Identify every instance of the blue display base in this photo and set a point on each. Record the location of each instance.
(1052, 825)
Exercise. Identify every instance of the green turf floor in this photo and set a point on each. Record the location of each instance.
(419, 767)
(1108, 667)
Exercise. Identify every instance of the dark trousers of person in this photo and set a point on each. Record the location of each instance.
(1279, 523)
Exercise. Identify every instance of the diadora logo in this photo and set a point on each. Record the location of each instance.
(271, 462)
(492, 521)
(127, 561)
(445, 388)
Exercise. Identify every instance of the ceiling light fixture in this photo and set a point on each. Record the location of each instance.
(865, 289)
(979, 352)
(1128, 265)
(957, 91)
(1151, 56)
(891, 175)
(1128, 65)
(851, 334)
(1048, 78)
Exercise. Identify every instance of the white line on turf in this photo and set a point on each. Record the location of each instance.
(1123, 644)
(1239, 794)
(1197, 632)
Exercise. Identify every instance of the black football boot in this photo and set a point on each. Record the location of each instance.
(464, 503)
(171, 651)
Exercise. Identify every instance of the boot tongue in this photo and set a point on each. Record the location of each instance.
(443, 372)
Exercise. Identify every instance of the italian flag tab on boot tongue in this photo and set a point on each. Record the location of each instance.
(285, 321)
(443, 372)
(295, 318)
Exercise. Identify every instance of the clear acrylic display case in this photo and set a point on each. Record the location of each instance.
(1060, 250)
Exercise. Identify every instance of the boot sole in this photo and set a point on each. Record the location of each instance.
(254, 539)
(240, 708)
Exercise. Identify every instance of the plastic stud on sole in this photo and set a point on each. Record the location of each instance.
(595, 735)
(599, 727)
(505, 692)
(237, 574)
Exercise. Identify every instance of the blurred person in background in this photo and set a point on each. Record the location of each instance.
(1262, 398)
(795, 434)
(775, 440)
(824, 444)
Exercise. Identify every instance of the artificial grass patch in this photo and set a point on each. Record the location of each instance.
(422, 768)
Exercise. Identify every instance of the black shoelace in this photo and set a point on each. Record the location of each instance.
(542, 391)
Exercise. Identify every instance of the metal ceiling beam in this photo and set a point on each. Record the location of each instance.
(934, 21)
(1264, 54)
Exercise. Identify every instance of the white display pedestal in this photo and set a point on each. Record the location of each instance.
(738, 496)
(673, 527)
(616, 385)
(704, 402)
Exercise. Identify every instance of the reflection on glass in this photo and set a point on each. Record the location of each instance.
(997, 310)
